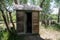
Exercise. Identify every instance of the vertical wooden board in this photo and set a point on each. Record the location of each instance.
(20, 21)
(35, 22)
(20, 27)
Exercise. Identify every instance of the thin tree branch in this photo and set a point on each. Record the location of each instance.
(41, 5)
(15, 1)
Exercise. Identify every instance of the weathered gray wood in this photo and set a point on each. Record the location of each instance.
(20, 21)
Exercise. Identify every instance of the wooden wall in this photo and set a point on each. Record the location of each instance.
(20, 21)
(35, 22)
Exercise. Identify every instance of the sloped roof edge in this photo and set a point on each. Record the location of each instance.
(27, 7)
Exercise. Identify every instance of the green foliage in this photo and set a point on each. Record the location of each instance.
(57, 3)
(1, 17)
(39, 2)
(46, 10)
(3, 35)
(23, 1)
(54, 16)
(46, 6)
(57, 27)
(32, 2)
(14, 16)
(9, 2)
(2, 4)
(5, 3)
(54, 27)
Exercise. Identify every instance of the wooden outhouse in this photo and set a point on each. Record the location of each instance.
(27, 19)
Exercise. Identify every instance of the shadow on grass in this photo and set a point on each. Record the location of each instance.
(15, 37)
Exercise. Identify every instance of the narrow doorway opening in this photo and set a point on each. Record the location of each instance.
(29, 22)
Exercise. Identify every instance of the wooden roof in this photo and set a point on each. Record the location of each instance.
(27, 7)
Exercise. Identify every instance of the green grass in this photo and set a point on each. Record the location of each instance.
(56, 27)
(53, 27)
(3, 35)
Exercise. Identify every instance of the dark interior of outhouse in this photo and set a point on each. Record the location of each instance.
(29, 22)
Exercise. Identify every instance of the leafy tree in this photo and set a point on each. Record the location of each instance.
(45, 5)
(3, 5)
(58, 5)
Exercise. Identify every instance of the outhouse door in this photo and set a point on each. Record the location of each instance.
(28, 22)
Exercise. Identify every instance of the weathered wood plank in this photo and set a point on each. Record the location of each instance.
(35, 22)
(20, 21)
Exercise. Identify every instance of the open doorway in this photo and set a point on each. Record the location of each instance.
(29, 22)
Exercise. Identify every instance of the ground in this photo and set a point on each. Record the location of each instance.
(49, 33)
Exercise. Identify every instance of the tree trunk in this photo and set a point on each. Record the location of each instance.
(7, 18)
(15, 1)
(11, 20)
(59, 16)
(4, 17)
(41, 5)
